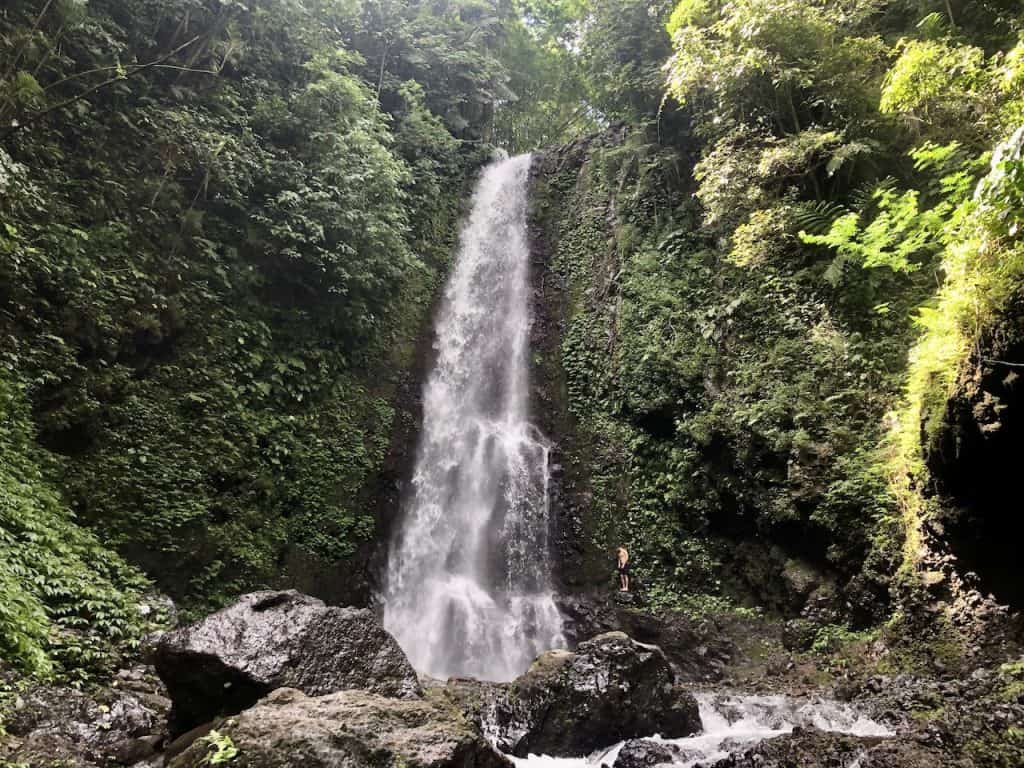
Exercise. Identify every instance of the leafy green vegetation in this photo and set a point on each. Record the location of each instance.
(775, 283)
(68, 602)
(222, 750)
(223, 226)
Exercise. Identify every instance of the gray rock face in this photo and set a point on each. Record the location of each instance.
(267, 640)
(354, 729)
(645, 753)
(699, 649)
(112, 726)
(609, 690)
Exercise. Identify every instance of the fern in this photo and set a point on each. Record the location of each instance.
(818, 218)
(864, 196)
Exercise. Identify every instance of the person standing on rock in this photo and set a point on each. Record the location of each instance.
(622, 567)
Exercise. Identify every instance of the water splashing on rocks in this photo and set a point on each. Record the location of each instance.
(731, 723)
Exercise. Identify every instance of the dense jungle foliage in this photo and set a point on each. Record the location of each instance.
(223, 225)
(775, 279)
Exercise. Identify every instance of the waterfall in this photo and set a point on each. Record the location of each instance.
(468, 589)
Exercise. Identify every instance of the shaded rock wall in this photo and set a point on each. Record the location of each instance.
(976, 459)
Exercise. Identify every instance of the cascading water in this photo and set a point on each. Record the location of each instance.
(733, 723)
(468, 587)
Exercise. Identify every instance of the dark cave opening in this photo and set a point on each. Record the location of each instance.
(980, 452)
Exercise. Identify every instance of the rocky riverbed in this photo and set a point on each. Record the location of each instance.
(280, 679)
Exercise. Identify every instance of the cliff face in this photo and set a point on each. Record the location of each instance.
(716, 419)
(584, 534)
(730, 423)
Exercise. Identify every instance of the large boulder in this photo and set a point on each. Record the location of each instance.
(354, 729)
(267, 640)
(611, 689)
(699, 649)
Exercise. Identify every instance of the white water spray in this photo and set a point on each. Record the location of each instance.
(468, 587)
(733, 723)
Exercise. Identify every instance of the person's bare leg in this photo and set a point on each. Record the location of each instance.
(625, 582)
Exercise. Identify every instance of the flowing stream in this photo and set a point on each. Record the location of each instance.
(733, 723)
(468, 589)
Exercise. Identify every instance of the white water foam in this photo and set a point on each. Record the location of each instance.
(733, 723)
(468, 589)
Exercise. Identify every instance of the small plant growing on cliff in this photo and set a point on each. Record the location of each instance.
(221, 750)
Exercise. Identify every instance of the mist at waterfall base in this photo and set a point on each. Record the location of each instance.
(468, 589)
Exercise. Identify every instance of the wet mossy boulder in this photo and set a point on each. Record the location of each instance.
(268, 640)
(610, 689)
(355, 729)
(50, 724)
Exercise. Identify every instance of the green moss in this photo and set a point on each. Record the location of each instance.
(832, 637)
(1003, 748)
(1012, 679)
(983, 269)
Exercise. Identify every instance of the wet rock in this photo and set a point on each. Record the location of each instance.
(801, 578)
(185, 740)
(56, 725)
(824, 605)
(44, 749)
(646, 753)
(812, 748)
(698, 648)
(475, 699)
(132, 751)
(612, 688)
(267, 640)
(355, 729)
